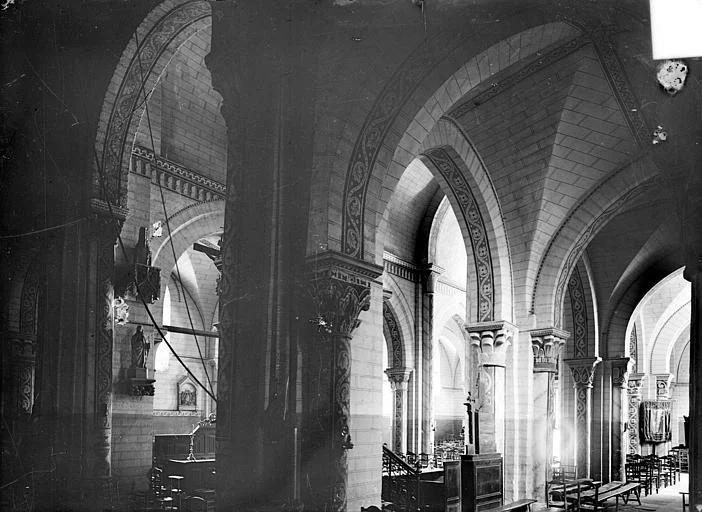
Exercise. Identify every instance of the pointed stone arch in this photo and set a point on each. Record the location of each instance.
(576, 231)
(393, 337)
(147, 54)
(187, 226)
(443, 164)
(404, 113)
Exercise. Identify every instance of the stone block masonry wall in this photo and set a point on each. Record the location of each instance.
(367, 346)
(132, 438)
(184, 109)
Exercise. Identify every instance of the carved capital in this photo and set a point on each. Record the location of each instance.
(620, 371)
(664, 382)
(398, 377)
(635, 383)
(491, 340)
(23, 349)
(340, 289)
(546, 345)
(583, 370)
(107, 219)
(430, 274)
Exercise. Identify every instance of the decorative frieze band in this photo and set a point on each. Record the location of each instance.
(175, 177)
(398, 267)
(491, 339)
(546, 345)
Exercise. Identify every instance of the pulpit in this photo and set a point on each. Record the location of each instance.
(474, 484)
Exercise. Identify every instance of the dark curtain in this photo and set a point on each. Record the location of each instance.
(655, 421)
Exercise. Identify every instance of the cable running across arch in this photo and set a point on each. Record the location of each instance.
(165, 214)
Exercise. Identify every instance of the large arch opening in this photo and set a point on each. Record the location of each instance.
(162, 154)
(658, 334)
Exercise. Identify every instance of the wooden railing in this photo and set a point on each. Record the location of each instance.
(177, 446)
(401, 484)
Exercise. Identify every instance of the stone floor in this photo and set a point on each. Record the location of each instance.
(667, 499)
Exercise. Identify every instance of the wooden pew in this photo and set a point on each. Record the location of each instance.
(516, 506)
(566, 493)
(595, 500)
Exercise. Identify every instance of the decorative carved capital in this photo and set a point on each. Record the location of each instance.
(491, 339)
(107, 219)
(546, 345)
(430, 274)
(664, 382)
(620, 370)
(583, 370)
(340, 289)
(386, 294)
(398, 377)
(635, 383)
(23, 349)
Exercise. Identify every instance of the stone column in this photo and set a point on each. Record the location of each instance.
(546, 346)
(105, 225)
(22, 351)
(583, 371)
(260, 61)
(430, 275)
(398, 381)
(620, 368)
(693, 273)
(490, 341)
(634, 393)
(340, 289)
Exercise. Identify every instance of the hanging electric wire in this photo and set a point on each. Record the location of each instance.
(165, 214)
(105, 194)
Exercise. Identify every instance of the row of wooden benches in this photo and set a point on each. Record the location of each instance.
(591, 495)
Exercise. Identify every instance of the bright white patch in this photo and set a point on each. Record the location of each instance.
(671, 75)
(675, 28)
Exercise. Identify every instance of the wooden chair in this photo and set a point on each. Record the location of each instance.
(160, 494)
(670, 466)
(639, 471)
(558, 487)
(423, 460)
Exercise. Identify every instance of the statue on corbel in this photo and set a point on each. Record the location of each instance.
(138, 373)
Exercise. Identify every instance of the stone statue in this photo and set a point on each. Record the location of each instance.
(140, 348)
